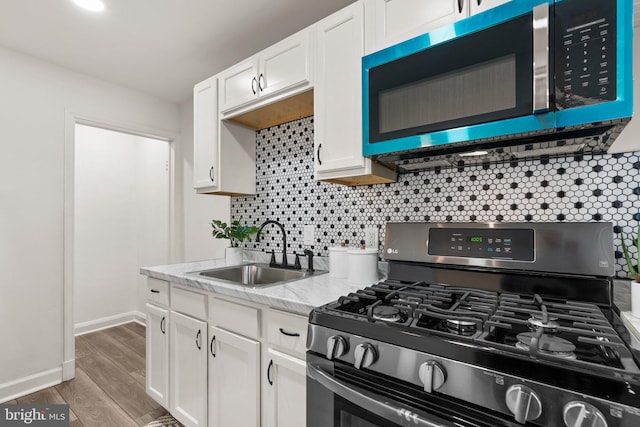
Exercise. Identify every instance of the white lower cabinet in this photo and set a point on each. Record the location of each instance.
(234, 380)
(157, 370)
(225, 362)
(188, 368)
(285, 390)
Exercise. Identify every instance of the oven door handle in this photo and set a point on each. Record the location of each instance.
(373, 403)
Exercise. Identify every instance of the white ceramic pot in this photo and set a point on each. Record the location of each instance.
(363, 266)
(635, 299)
(338, 262)
(233, 256)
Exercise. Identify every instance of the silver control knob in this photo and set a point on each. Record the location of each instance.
(523, 403)
(432, 375)
(336, 346)
(365, 355)
(582, 414)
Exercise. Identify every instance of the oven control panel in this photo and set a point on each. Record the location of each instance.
(512, 244)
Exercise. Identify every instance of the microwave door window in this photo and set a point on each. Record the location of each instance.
(476, 90)
(478, 78)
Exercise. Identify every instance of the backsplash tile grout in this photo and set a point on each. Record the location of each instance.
(589, 188)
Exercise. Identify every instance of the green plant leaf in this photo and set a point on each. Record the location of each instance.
(627, 256)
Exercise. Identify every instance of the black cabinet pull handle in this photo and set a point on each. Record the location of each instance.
(211, 174)
(261, 82)
(269, 372)
(211, 346)
(479, 2)
(162, 329)
(198, 335)
(460, 5)
(289, 334)
(155, 291)
(253, 85)
(319, 160)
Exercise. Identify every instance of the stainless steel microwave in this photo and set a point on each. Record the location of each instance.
(523, 74)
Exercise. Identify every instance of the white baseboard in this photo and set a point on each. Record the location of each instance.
(27, 385)
(108, 322)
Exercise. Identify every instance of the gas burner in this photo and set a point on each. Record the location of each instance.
(538, 321)
(386, 313)
(460, 326)
(547, 344)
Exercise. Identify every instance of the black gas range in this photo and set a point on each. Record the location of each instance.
(478, 325)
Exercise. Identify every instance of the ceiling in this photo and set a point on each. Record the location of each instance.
(161, 47)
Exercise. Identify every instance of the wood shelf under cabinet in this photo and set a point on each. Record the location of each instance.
(283, 111)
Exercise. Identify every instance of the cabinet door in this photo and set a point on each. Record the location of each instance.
(238, 84)
(205, 135)
(338, 91)
(157, 368)
(234, 380)
(284, 65)
(188, 366)
(286, 387)
(478, 6)
(395, 21)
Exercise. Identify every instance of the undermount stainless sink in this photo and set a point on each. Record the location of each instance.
(256, 275)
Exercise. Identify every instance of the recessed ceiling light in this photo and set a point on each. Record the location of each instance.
(91, 5)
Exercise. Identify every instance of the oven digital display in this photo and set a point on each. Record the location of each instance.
(511, 244)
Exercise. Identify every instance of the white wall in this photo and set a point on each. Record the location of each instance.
(198, 209)
(34, 98)
(121, 222)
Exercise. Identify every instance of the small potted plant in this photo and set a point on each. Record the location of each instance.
(634, 271)
(236, 233)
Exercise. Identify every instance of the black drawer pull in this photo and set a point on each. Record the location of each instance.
(155, 291)
(269, 372)
(289, 334)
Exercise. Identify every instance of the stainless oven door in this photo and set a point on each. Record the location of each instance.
(335, 401)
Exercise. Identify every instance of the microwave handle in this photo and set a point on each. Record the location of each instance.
(370, 402)
(541, 58)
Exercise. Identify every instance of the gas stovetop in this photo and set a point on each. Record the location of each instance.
(514, 318)
(568, 332)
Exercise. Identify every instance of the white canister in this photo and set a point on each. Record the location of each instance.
(635, 299)
(338, 262)
(363, 266)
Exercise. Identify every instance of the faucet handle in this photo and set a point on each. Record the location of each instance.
(296, 263)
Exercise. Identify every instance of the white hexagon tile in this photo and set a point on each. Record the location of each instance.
(589, 188)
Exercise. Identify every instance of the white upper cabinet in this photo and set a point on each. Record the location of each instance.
(205, 135)
(283, 66)
(338, 102)
(478, 6)
(393, 21)
(223, 153)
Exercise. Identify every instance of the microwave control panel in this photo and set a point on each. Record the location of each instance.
(585, 62)
(512, 244)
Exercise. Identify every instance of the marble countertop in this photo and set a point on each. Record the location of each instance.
(299, 296)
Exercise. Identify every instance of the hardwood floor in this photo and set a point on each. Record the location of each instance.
(109, 387)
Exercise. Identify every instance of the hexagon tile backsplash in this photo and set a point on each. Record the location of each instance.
(592, 188)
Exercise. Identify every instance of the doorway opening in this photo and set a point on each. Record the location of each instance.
(118, 218)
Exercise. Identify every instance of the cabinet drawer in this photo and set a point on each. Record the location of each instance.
(287, 331)
(190, 303)
(158, 291)
(235, 317)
